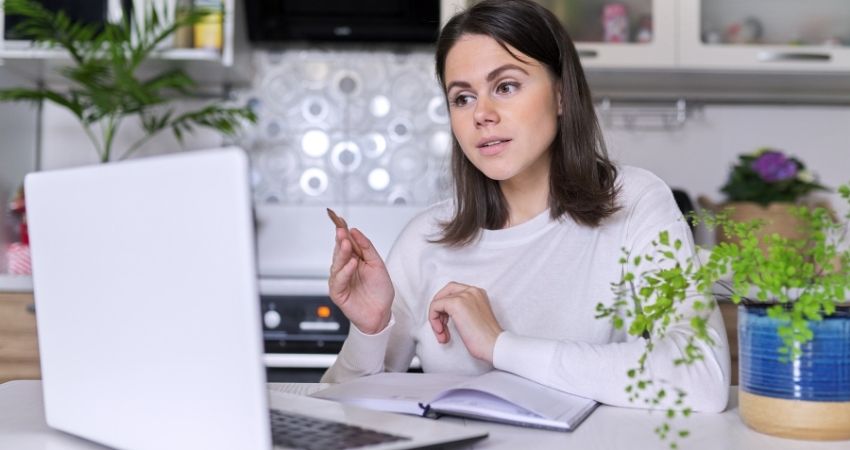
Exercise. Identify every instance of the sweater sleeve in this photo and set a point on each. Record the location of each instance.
(392, 348)
(362, 354)
(599, 371)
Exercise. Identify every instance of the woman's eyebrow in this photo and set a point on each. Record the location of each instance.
(498, 71)
(490, 76)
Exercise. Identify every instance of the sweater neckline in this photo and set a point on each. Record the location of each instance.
(518, 234)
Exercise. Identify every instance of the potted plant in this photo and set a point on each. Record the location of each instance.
(793, 320)
(105, 86)
(105, 83)
(766, 184)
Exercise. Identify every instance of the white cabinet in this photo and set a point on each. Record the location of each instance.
(713, 50)
(765, 35)
(638, 34)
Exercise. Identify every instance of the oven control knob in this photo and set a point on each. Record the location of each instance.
(271, 318)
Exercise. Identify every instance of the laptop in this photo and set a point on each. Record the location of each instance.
(145, 283)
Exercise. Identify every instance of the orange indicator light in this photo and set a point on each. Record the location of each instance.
(323, 312)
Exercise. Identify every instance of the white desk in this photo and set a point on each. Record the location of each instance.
(22, 427)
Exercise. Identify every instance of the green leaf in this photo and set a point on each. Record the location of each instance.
(618, 322)
(103, 85)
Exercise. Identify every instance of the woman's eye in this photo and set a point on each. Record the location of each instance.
(462, 100)
(507, 88)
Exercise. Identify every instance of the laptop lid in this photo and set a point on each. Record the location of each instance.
(145, 284)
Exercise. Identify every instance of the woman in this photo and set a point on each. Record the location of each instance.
(508, 275)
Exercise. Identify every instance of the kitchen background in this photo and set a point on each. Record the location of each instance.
(363, 127)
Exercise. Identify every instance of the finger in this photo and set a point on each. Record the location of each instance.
(342, 252)
(438, 317)
(368, 252)
(446, 334)
(340, 223)
(336, 262)
(339, 282)
(440, 326)
(451, 289)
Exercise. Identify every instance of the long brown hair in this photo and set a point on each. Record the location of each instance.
(582, 178)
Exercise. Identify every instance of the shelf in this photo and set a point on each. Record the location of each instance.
(722, 86)
(191, 54)
(12, 50)
(211, 68)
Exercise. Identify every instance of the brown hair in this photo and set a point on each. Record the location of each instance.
(582, 178)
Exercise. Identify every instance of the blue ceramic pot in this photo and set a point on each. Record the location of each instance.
(774, 393)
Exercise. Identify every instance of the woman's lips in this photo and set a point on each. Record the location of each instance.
(494, 148)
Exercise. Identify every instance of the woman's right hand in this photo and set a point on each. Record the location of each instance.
(362, 289)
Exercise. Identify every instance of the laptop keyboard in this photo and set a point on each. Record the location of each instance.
(310, 433)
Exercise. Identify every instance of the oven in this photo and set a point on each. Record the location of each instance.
(302, 329)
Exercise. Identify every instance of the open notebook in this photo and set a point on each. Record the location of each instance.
(495, 396)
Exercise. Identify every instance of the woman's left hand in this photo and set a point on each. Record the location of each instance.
(469, 308)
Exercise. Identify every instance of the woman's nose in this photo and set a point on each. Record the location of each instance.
(485, 112)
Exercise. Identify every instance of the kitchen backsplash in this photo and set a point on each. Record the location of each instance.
(347, 127)
(364, 88)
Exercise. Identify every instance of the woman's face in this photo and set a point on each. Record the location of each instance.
(504, 111)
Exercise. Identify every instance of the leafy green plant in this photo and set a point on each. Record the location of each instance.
(802, 279)
(769, 175)
(105, 85)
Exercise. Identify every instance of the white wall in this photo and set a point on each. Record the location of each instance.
(17, 138)
(65, 144)
(698, 157)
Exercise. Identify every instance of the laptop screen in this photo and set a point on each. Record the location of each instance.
(145, 288)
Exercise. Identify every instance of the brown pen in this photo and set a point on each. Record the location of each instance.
(340, 223)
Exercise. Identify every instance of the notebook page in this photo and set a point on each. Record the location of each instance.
(397, 392)
(544, 401)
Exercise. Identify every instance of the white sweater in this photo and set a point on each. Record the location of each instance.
(544, 279)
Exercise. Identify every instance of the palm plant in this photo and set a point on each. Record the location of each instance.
(105, 86)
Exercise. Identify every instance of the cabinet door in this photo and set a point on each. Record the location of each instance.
(768, 35)
(19, 358)
(620, 34)
(616, 34)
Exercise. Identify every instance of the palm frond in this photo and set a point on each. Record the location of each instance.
(154, 124)
(174, 80)
(105, 86)
(226, 120)
(36, 96)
